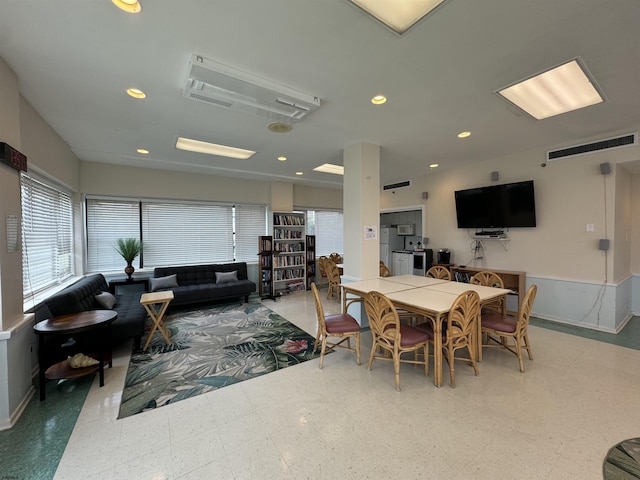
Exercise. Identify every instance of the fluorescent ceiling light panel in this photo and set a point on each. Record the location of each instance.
(330, 168)
(559, 90)
(398, 15)
(212, 149)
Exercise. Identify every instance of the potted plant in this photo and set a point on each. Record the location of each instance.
(129, 249)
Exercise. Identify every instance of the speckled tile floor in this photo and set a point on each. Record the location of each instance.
(555, 421)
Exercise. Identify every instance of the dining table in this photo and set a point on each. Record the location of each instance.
(425, 296)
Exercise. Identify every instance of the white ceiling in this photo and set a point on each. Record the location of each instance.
(74, 60)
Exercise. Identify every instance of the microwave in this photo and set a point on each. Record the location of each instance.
(408, 229)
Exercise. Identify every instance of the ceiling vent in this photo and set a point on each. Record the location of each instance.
(608, 144)
(395, 186)
(229, 88)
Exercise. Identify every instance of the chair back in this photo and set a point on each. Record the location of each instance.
(322, 326)
(321, 265)
(488, 279)
(383, 318)
(525, 309)
(333, 273)
(335, 257)
(440, 272)
(384, 270)
(463, 315)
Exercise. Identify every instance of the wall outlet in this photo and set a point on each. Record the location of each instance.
(591, 227)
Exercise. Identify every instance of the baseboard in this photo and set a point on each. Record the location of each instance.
(15, 416)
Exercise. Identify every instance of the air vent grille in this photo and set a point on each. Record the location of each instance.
(607, 144)
(394, 186)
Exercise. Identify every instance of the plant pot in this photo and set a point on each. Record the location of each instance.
(129, 271)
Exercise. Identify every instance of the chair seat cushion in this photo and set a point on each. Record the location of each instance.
(428, 329)
(498, 322)
(412, 336)
(341, 323)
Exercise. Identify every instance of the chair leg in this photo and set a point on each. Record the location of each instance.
(324, 347)
(525, 337)
(518, 345)
(358, 348)
(452, 366)
(317, 342)
(426, 359)
(396, 368)
(373, 351)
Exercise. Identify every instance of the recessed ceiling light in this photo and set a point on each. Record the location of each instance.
(299, 173)
(143, 151)
(434, 165)
(559, 90)
(378, 99)
(282, 159)
(399, 15)
(213, 149)
(136, 93)
(464, 134)
(330, 168)
(129, 6)
(279, 127)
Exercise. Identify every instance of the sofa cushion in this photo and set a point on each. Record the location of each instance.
(163, 283)
(225, 277)
(106, 300)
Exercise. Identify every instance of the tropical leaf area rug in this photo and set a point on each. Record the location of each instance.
(211, 348)
(623, 461)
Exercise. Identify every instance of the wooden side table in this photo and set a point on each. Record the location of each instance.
(156, 304)
(72, 324)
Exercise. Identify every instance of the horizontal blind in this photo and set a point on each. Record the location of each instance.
(107, 221)
(186, 233)
(329, 232)
(250, 222)
(47, 234)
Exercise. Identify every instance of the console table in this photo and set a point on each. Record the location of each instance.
(513, 280)
(73, 324)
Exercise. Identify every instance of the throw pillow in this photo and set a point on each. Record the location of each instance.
(224, 277)
(163, 283)
(106, 300)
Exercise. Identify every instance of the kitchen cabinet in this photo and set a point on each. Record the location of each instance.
(402, 263)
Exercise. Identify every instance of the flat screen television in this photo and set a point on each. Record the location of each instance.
(497, 206)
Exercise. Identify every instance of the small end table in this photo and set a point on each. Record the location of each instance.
(156, 304)
(73, 324)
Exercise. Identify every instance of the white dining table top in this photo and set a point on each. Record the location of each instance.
(382, 285)
(485, 293)
(428, 299)
(415, 280)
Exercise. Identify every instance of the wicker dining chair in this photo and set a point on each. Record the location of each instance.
(335, 257)
(440, 272)
(491, 279)
(499, 328)
(322, 270)
(459, 331)
(341, 325)
(392, 338)
(333, 277)
(384, 270)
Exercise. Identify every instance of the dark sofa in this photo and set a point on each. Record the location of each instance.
(204, 283)
(80, 296)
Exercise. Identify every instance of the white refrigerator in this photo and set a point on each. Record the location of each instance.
(389, 241)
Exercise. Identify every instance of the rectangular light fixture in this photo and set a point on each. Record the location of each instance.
(559, 90)
(398, 15)
(212, 149)
(330, 168)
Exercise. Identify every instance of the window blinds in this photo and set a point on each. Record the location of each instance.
(47, 234)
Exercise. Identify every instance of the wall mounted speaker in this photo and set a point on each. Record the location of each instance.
(605, 168)
(495, 176)
(425, 195)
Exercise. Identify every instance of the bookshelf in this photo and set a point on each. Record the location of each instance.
(289, 253)
(265, 266)
(310, 242)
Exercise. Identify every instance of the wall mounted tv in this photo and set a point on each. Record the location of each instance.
(497, 206)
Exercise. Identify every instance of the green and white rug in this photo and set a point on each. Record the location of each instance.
(211, 348)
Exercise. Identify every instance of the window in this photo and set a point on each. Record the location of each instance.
(172, 232)
(47, 234)
(328, 228)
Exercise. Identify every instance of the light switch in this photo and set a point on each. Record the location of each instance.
(591, 227)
